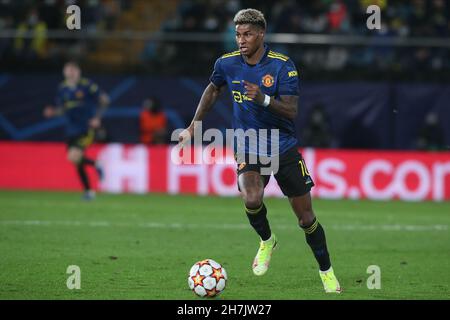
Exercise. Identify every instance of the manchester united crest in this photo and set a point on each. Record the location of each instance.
(79, 94)
(267, 80)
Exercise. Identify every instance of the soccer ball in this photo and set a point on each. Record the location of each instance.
(207, 278)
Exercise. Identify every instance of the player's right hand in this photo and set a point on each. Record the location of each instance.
(95, 123)
(49, 111)
(185, 136)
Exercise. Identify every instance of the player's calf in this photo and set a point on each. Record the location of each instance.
(99, 170)
(315, 237)
(258, 220)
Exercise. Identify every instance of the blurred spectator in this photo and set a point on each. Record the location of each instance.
(5, 43)
(418, 19)
(287, 18)
(50, 12)
(153, 122)
(440, 18)
(111, 11)
(316, 21)
(36, 46)
(92, 14)
(229, 39)
(317, 132)
(211, 22)
(431, 135)
(338, 19)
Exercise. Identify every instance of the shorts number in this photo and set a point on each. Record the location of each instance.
(304, 168)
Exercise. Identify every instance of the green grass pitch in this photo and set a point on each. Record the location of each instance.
(142, 247)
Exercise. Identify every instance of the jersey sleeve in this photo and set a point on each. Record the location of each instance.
(288, 84)
(218, 76)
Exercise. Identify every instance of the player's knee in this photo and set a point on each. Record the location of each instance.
(253, 199)
(74, 157)
(306, 218)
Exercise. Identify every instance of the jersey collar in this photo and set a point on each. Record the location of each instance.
(264, 57)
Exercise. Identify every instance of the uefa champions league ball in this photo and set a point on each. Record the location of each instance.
(207, 278)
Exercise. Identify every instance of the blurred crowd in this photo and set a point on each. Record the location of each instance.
(52, 13)
(404, 19)
(399, 19)
(37, 17)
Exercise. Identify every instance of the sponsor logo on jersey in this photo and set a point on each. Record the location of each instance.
(79, 94)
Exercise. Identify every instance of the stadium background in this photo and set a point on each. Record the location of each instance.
(373, 121)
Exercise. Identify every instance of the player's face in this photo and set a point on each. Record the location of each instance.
(249, 38)
(72, 72)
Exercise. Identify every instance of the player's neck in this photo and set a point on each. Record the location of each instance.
(72, 83)
(256, 57)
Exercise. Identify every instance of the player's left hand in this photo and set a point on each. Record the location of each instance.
(95, 123)
(253, 92)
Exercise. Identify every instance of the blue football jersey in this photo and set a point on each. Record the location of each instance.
(277, 76)
(79, 104)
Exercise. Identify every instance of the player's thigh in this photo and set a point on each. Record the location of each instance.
(75, 154)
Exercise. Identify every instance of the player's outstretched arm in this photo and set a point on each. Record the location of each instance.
(207, 101)
(103, 102)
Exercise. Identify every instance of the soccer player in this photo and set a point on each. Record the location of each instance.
(83, 104)
(264, 87)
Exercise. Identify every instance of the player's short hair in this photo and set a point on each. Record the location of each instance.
(250, 16)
